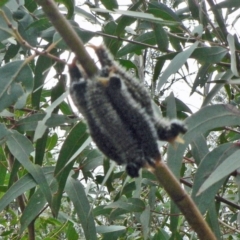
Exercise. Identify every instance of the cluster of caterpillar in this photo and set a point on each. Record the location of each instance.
(119, 114)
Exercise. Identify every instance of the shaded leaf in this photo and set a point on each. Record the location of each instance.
(224, 169)
(215, 90)
(76, 193)
(207, 166)
(125, 21)
(176, 64)
(202, 77)
(16, 84)
(204, 120)
(147, 38)
(209, 54)
(110, 4)
(132, 205)
(5, 31)
(73, 145)
(69, 5)
(33, 208)
(231, 43)
(111, 232)
(21, 148)
(199, 148)
(161, 37)
(30, 123)
(21, 186)
(41, 126)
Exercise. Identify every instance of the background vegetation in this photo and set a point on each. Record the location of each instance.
(52, 177)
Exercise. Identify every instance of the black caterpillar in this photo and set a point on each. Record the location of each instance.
(119, 114)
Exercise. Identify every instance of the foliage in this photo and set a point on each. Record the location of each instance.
(54, 183)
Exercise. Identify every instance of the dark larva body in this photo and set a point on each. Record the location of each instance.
(132, 113)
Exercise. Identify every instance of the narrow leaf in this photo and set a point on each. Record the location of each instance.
(76, 193)
(73, 145)
(228, 166)
(231, 43)
(21, 186)
(21, 148)
(204, 120)
(176, 64)
(205, 169)
(41, 127)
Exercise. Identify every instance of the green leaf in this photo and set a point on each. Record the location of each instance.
(132, 205)
(161, 234)
(202, 77)
(71, 233)
(84, 35)
(140, 15)
(3, 2)
(159, 9)
(161, 37)
(30, 123)
(101, 210)
(40, 24)
(124, 21)
(112, 44)
(215, 90)
(199, 148)
(110, 4)
(207, 166)
(33, 208)
(21, 186)
(76, 193)
(204, 120)
(73, 145)
(11, 52)
(24, 20)
(145, 221)
(3, 133)
(41, 148)
(41, 126)
(90, 17)
(16, 84)
(209, 54)
(21, 148)
(213, 221)
(69, 4)
(93, 159)
(42, 68)
(171, 106)
(231, 43)
(176, 64)
(5, 31)
(111, 232)
(147, 38)
(230, 164)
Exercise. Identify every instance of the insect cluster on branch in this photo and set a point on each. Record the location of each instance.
(119, 113)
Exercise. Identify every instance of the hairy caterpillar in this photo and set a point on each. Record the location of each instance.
(119, 114)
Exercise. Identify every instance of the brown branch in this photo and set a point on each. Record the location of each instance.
(183, 201)
(218, 198)
(69, 35)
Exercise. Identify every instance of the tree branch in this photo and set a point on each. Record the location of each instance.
(69, 35)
